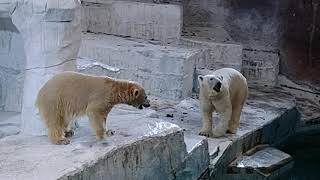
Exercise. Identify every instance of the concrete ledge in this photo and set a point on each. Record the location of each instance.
(269, 117)
(142, 148)
(160, 22)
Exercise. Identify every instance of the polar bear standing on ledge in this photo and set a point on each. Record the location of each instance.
(224, 91)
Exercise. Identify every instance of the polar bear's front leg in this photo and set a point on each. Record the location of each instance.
(225, 114)
(206, 113)
(109, 132)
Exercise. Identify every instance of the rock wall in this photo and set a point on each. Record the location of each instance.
(12, 64)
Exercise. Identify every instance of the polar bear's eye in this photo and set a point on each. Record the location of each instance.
(211, 79)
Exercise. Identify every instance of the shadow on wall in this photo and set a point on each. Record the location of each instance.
(291, 26)
(12, 64)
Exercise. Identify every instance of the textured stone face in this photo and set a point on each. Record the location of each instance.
(260, 67)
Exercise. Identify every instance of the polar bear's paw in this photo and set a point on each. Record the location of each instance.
(109, 133)
(63, 141)
(232, 131)
(68, 134)
(205, 132)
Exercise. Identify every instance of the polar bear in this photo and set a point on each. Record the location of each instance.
(224, 91)
(69, 94)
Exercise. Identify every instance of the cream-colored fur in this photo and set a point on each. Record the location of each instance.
(227, 100)
(69, 95)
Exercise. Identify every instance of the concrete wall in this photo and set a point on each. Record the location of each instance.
(288, 26)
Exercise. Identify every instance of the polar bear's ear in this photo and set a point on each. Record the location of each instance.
(200, 78)
(136, 92)
(220, 78)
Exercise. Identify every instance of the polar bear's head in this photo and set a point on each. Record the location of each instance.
(210, 84)
(138, 97)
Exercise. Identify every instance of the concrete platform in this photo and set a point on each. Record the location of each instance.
(164, 71)
(160, 22)
(148, 144)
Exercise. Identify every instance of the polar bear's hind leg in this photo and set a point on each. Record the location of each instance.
(222, 127)
(235, 119)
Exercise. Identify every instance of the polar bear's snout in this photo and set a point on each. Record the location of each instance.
(145, 104)
(217, 87)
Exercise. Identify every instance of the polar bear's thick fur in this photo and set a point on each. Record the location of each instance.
(69, 95)
(224, 91)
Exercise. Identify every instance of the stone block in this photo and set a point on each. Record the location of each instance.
(160, 22)
(218, 55)
(260, 67)
(164, 71)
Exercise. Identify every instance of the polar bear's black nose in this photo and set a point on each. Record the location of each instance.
(217, 87)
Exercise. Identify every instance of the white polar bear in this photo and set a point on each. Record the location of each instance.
(224, 91)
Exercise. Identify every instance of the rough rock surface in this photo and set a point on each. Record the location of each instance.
(52, 34)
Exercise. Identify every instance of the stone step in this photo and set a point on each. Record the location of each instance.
(220, 50)
(261, 163)
(160, 22)
(164, 71)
